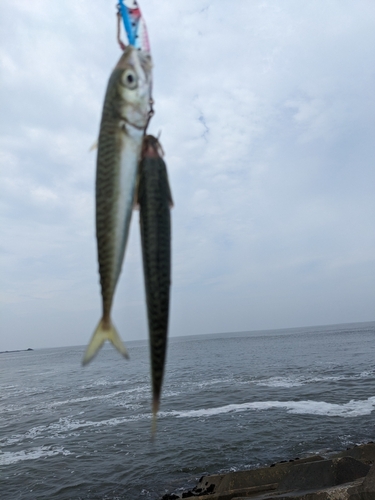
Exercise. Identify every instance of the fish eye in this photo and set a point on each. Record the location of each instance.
(129, 79)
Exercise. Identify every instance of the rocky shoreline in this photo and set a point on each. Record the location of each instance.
(19, 350)
(348, 475)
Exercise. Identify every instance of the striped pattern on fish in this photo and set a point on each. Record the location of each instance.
(126, 112)
(155, 200)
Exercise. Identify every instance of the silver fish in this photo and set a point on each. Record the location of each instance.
(155, 199)
(126, 111)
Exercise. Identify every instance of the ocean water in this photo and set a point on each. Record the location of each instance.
(229, 402)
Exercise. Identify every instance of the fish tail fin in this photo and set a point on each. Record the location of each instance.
(155, 409)
(102, 333)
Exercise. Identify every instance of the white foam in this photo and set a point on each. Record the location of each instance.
(81, 400)
(351, 409)
(302, 380)
(104, 382)
(170, 393)
(12, 391)
(280, 382)
(8, 458)
(213, 381)
(67, 425)
(127, 405)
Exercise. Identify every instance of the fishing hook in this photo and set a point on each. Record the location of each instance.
(120, 42)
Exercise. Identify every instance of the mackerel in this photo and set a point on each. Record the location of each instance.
(155, 200)
(126, 111)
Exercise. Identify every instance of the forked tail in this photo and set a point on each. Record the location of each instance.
(102, 333)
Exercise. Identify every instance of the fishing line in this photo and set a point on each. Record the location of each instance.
(120, 42)
(127, 23)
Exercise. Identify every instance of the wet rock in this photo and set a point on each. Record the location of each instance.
(364, 453)
(308, 476)
(366, 491)
(348, 469)
(344, 476)
(188, 494)
(324, 474)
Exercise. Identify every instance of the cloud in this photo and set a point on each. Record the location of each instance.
(266, 112)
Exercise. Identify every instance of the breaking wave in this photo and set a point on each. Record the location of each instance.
(303, 380)
(9, 458)
(351, 409)
(354, 408)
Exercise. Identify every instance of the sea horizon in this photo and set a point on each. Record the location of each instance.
(230, 402)
(239, 333)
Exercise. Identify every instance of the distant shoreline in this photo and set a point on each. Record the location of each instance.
(19, 350)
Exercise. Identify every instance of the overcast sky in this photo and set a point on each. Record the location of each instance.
(266, 110)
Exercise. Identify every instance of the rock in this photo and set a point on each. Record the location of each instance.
(365, 453)
(324, 474)
(340, 492)
(344, 476)
(366, 491)
(348, 469)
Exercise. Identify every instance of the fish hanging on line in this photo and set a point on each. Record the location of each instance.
(155, 200)
(126, 113)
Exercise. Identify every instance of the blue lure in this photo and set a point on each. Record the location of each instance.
(134, 24)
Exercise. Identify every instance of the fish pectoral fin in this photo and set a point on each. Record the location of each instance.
(100, 335)
(94, 146)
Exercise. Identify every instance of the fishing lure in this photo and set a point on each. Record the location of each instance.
(134, 24)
